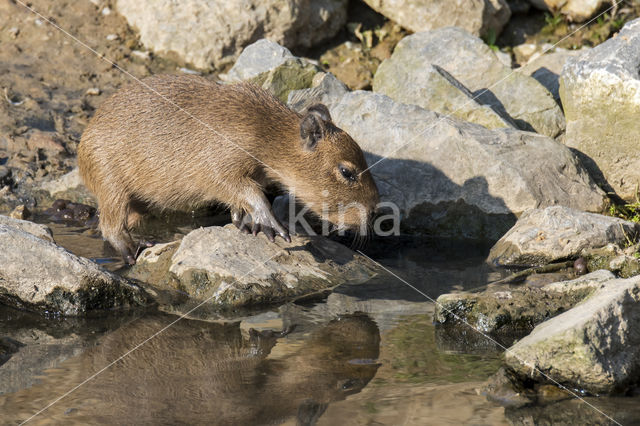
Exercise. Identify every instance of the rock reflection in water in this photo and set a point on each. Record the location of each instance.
(198, 372)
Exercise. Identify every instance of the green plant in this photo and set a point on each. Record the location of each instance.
(490, 39)
(553, 21)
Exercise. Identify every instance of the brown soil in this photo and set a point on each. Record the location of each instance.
(51, 84)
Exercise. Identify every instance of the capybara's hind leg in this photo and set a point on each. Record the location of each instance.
(114, 216)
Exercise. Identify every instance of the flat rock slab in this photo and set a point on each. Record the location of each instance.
(230, 269)
(472, 63)
(541, 236)
(515, 309)
(600, 92)
(594, 347)
(40, 276)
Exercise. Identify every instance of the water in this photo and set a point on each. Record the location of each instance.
(367, 354)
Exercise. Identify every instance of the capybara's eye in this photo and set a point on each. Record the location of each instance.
(347, 174)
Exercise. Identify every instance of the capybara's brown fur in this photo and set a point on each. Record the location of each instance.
(177, 142)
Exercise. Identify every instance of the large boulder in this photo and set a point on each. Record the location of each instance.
(479, 17)
(595, 346)
(38, 275)
(574, 10)
(457, 179)
(448, 96)
(600, 92)
(211, 33)
(542, 236)
(472, 63)
(231, 269)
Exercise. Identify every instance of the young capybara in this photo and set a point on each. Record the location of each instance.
(179, 142)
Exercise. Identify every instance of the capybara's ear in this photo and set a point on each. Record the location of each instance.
(313, 126)
(321, 110)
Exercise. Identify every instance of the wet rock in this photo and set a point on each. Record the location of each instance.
(504, 310)
(40, 276)
(574, 10)
(595, 346)
(477, 17)
(473, 64)
(211, 34)
(231, 269)
(67, 211)
(40, 231)
(448, 96)
(623, 262)
(542, 236)
(599, 95)
(457, 179)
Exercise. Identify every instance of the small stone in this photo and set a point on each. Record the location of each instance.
(140, 54)
(14, 31)
(93, 91)
(188, 71)
(106, 11)
(112, 37)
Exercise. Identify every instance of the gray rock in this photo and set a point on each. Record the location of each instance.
(211, 33)
(40, 231)
(325, 89)
(448, 96)
(544, 235)
(477, 17)
(41, 276)
(599, 92)
(472, 63)
(595, 346)
(68, 186)
(272, 67)
(457, 179)
(231, 269)
(257, 58)
(293, 74)
(546, 68)
(574, 10)
(505, 309)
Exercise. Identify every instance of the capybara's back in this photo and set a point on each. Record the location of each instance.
(173, 142)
